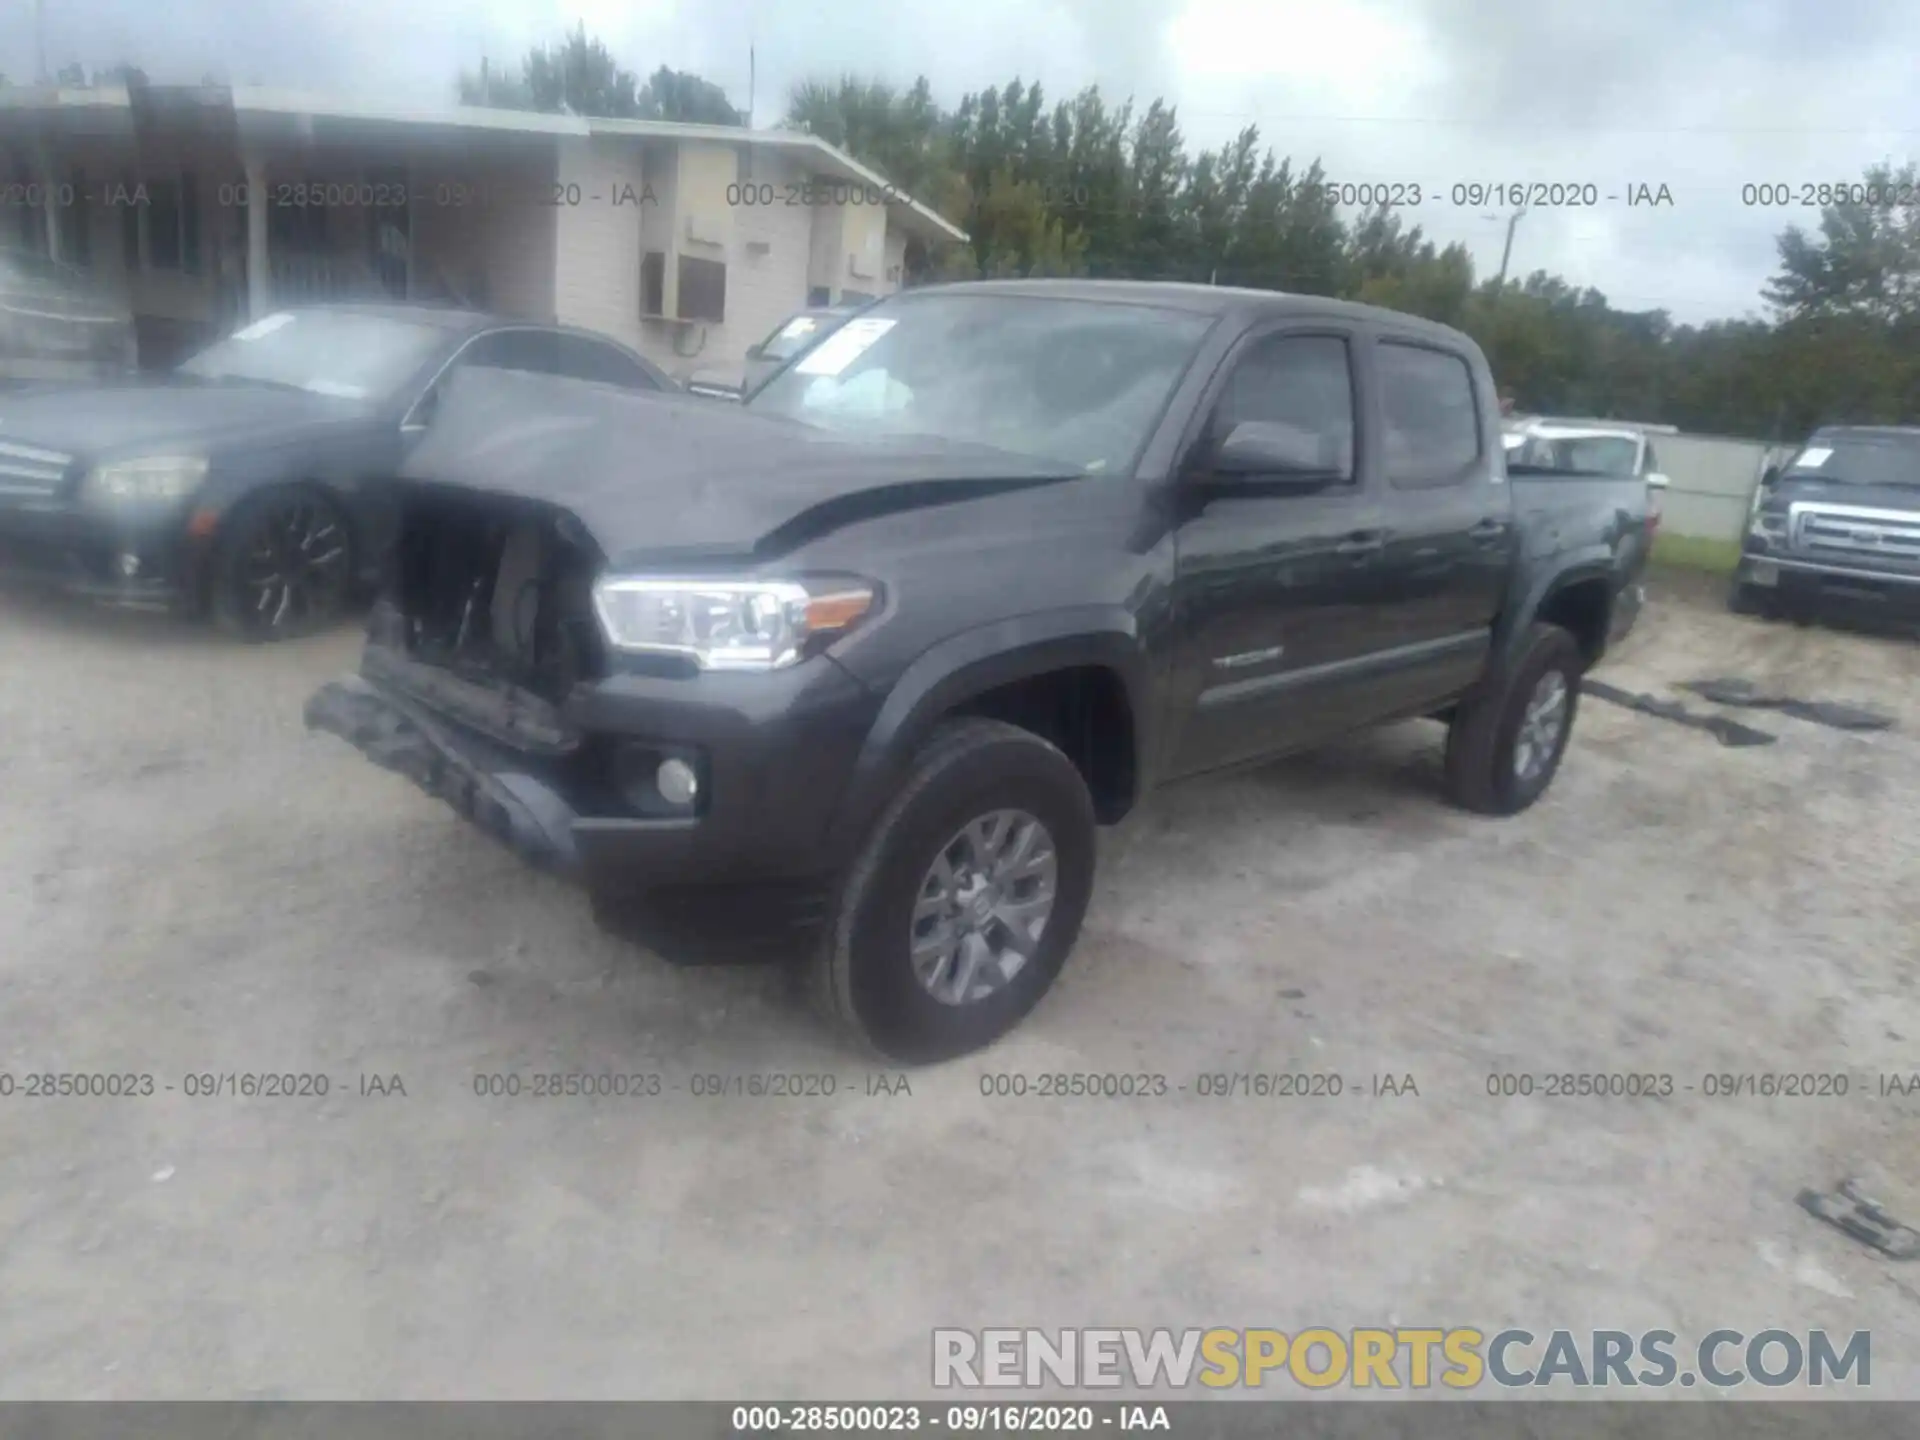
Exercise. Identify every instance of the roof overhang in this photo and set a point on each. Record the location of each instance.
(52, 110)
(816, 153)
(266, 113)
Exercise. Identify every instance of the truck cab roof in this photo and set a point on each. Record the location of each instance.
(1223, 300)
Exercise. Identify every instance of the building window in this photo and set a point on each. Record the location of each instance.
(127, 199)
(653, 283)
(703, 289)
(296, 229)
(162, 224)
(76, 224)
(29, 220)
(819, 297)
(164, 250)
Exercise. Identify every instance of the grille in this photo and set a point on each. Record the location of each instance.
(27, 470)
(1857, 534)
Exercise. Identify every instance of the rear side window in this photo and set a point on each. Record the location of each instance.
(1431, 417)
(513, 350)
(1302, 381)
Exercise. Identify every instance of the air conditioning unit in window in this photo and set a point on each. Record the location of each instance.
(703, 289)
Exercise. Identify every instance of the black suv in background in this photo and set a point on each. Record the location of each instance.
(959, 585)
(1839, 522)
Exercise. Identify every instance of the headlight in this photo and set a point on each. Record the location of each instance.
(727, 624)
(150, 478)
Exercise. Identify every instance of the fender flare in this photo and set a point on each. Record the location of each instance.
(1594, 562)
(973, 662)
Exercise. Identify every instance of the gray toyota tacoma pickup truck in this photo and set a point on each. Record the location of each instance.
(888, 643)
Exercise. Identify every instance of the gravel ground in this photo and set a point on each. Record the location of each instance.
(191, 884)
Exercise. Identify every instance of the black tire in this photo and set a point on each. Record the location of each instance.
(863, 978)
(294, 530)
(1483, 740)
(1745, 600)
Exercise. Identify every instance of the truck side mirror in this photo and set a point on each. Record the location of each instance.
(1656, 481)
(1264, 453)
(1770, 477)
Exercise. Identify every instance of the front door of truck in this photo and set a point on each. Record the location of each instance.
(1278, 589)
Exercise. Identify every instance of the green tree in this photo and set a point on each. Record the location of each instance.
(581, 77)
(1866, 260)
(679, 95)
(903, 136)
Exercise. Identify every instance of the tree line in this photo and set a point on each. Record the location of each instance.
(1086, 186)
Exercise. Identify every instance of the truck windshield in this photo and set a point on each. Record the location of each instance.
(1861, 459)
(1077, 384)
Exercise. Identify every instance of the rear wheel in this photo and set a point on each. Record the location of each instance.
(962, 906)
(1505, 744)
(283, 565)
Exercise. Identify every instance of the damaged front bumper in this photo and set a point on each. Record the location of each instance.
(477, 780)
(775, 754)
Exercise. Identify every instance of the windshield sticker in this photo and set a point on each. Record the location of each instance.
(1812, 459)
(795, 328)
(337, 390)
(843, 347)
(266, 325)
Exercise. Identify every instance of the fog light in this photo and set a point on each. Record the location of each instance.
(677, 782)
(129, 565)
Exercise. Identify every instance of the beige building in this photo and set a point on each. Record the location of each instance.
(689, 242)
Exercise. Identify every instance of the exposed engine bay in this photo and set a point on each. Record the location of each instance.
(493, 592)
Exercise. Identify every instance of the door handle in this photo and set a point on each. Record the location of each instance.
(1488, 529)
(1362, 545)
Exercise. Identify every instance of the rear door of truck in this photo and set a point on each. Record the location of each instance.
(1449, 531)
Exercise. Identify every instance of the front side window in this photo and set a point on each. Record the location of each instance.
(1304, 382)
(584, 359)
(1432, 421)
(532, 350)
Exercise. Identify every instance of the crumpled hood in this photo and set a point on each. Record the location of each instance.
(654, 476)
(96, 420)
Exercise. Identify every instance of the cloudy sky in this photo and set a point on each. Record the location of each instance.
(1702, 96)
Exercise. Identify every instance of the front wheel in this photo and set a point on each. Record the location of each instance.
(1505, 744)
(962, 906)
(283, 565)
(1745, 599)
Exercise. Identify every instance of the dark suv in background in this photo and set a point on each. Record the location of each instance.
(1839, 522)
